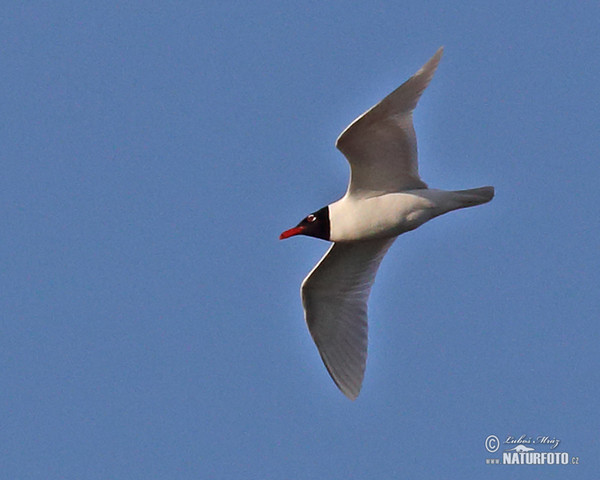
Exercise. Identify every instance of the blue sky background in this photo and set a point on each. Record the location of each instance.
(151, 325)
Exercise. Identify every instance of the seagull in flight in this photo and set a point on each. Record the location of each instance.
(385, 198)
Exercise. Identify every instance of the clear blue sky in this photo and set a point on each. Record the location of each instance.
(151, 325)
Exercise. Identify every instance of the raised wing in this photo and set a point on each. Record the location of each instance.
(334, 296)
(381, 145)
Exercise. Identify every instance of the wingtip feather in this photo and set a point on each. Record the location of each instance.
(431, 65)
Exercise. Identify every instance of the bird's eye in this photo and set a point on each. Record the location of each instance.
(311, 218)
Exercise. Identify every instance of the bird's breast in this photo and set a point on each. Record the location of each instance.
(383, 216)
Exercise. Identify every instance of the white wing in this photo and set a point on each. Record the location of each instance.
(381, 145)
(334, 296)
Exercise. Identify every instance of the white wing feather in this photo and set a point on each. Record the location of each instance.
(381, 144)
(334, 296)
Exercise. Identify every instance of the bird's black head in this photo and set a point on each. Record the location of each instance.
(314, 225)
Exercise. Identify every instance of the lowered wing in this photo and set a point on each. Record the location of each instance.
(334, 296)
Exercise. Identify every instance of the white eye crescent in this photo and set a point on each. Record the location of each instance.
(311, 218)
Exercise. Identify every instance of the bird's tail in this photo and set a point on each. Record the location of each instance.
(474, 196)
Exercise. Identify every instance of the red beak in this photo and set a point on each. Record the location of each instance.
(291, 232)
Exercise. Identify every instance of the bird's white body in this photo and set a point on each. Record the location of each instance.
(392, 214)
(386, 197)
